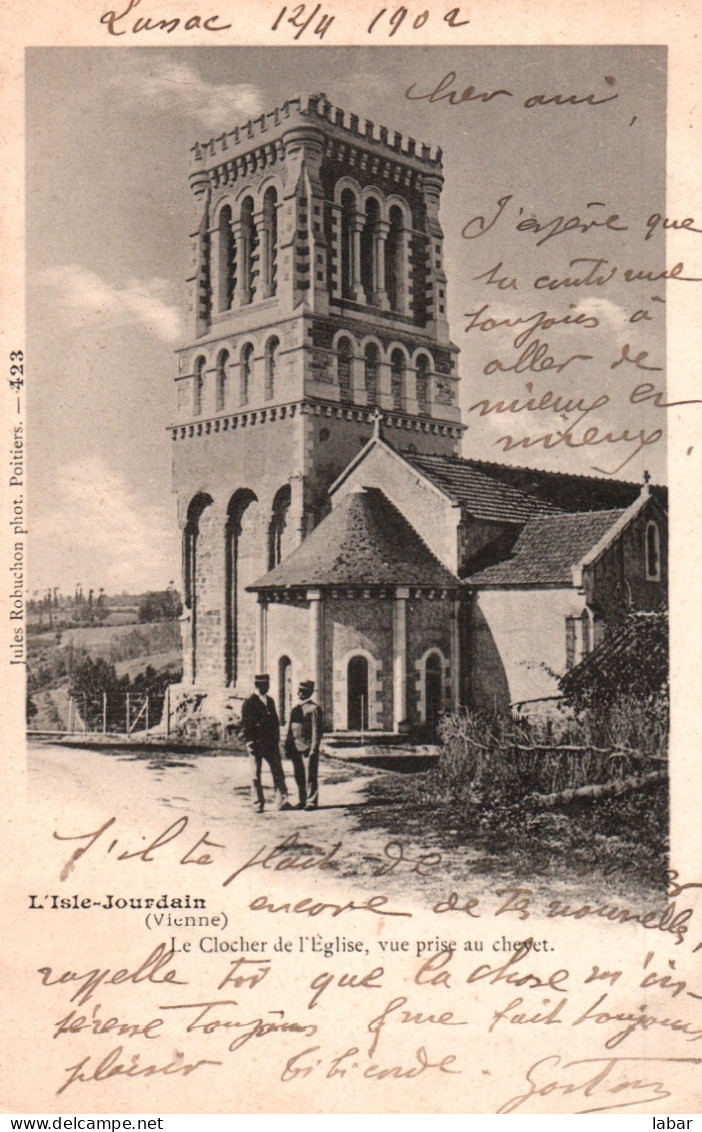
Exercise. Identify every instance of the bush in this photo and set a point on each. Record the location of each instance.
(489, 768)
(631, 663)
(161, 605)
(101, 694)
(505, 758)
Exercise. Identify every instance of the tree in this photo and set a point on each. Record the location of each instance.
(161, 605)
(632, 662)
(94, 685)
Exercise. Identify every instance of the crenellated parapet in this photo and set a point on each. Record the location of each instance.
(259, 142)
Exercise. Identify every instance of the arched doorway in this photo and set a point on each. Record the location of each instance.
(357, 694)
(284, 689)
(433, 692)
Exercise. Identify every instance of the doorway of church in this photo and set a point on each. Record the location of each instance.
(357, 694)
(284, 689)
(433, 693)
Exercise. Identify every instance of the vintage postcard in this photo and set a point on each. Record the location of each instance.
(351, 606)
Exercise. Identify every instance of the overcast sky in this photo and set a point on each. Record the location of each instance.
(108, 212)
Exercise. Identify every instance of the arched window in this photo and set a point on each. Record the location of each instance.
(653, 552)
(422, 372)
(238, 504)
(395, 281)
(191, 568)
(357, 694)
(198, 386)
(245, 366)
(284, 689)
(222, 376)
(272, 350)
(270, 242)
(226, 261)
(344, 355)
(348, 221)
(397, 379)
(433, 691)
(372, 361)
(276, 527)
(368, 263)
(249, 244)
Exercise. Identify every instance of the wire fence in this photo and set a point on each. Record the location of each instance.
(116, 713)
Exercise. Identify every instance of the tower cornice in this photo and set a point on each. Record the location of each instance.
(265, 137)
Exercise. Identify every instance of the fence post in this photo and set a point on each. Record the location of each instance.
(127, 713)
(146, 720)
(168, 711)
(104, 713)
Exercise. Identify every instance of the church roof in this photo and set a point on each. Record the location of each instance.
(482, 495)
(547, 492)
(362, 541)
(547, 549)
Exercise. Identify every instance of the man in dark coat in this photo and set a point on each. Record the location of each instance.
(302, 745)
(261, 731)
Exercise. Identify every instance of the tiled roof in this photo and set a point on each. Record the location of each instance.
(566, 491)
(547, 549)
(363, 541)
(483, 496)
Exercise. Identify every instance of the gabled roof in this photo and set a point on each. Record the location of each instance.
(483, 496)
(363, 541)
(548, 549)
(566, 490)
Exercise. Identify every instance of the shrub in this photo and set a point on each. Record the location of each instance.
(161, 605)
(631, 663)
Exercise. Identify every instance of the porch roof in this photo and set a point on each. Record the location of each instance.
(363, 541)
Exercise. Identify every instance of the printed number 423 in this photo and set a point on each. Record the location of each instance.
(16, 369)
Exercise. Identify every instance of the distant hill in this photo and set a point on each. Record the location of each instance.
(52, 657)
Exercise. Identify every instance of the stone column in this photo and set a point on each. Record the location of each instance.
(242, 295)
(317, 643)
(357, 286)
(262, 634)
(455, 654)
(264, 256)
(380, 295)
(399, 657)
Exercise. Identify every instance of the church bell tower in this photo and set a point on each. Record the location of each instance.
(316, 298)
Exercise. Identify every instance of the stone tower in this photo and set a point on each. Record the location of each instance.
(316, 300)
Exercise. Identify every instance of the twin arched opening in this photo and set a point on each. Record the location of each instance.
(245, 252)
(374, 253)
(239, 551)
